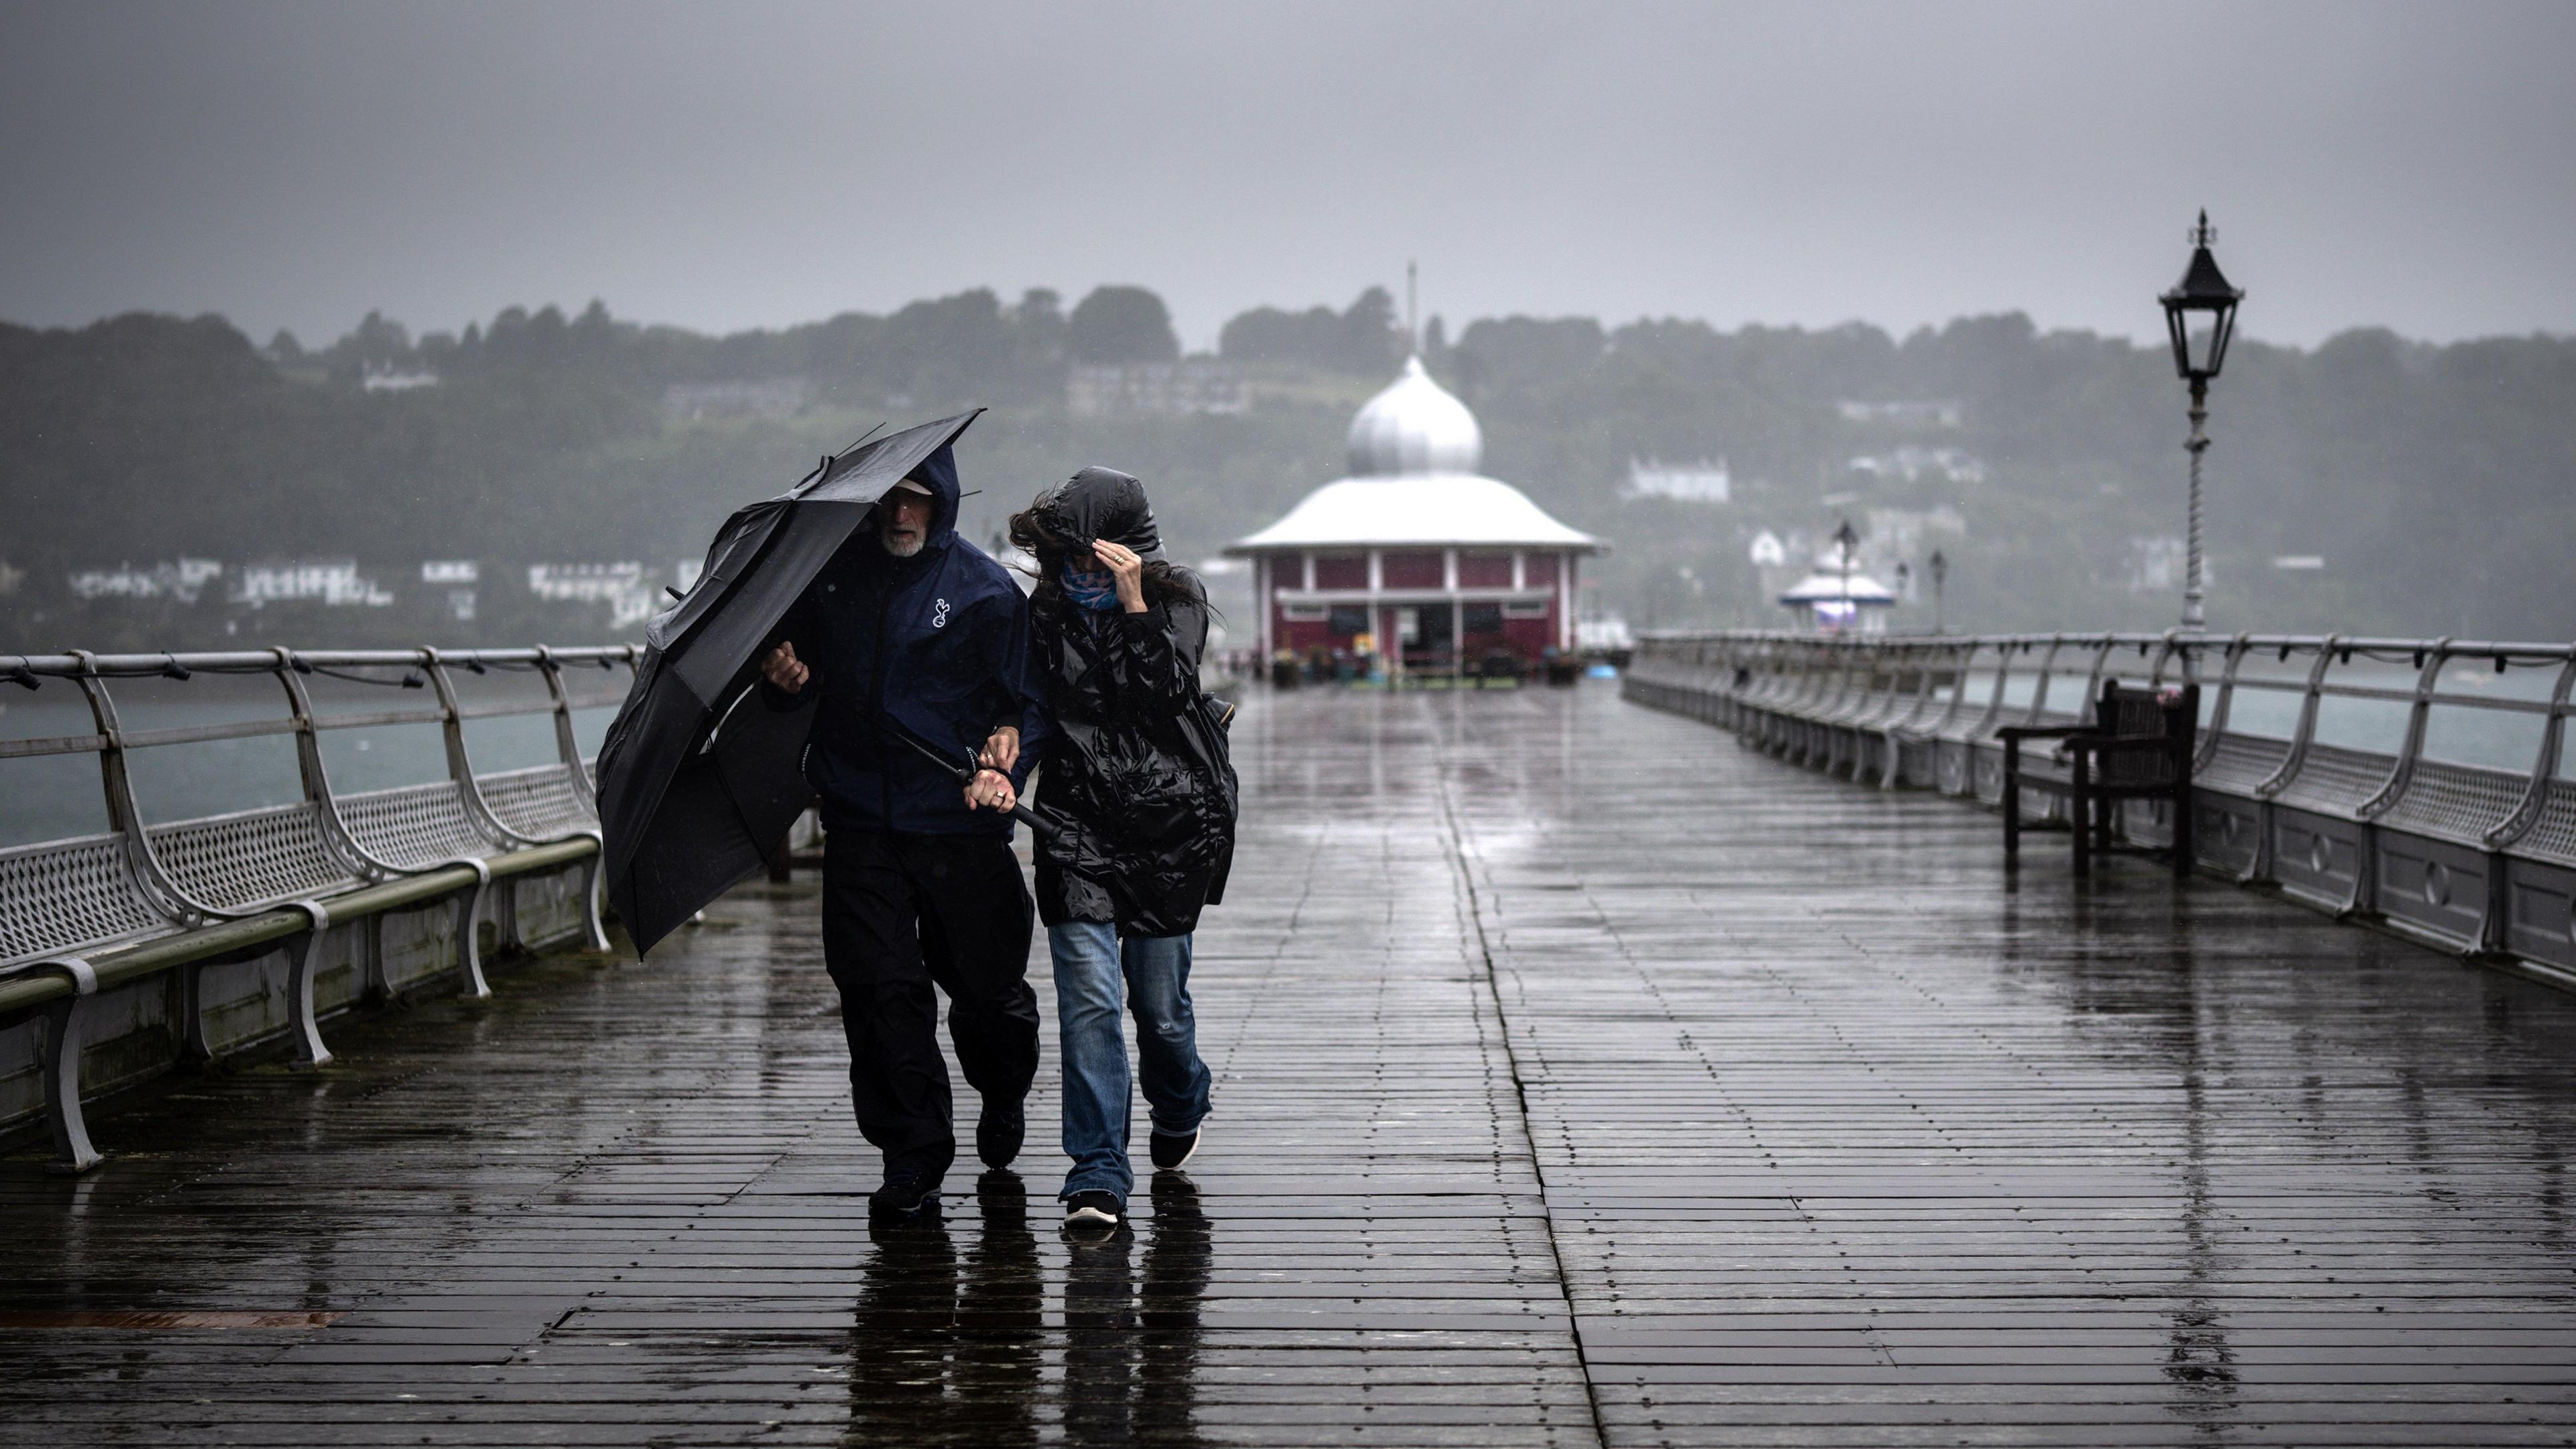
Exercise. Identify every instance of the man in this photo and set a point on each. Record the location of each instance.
(913, 630)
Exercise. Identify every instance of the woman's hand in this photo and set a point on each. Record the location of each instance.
(1001, 749)
(990, 790)
(1125, 567)
(781, 667)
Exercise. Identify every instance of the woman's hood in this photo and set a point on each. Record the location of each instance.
(1099, 503)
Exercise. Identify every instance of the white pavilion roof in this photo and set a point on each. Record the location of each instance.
(1828, 588)
(1424, 510)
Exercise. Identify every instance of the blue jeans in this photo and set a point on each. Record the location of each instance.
(1092, 965)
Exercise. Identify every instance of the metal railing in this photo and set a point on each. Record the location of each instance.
(84, 913)
(2421, 783)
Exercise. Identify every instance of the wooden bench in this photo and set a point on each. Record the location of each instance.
(2138, 747)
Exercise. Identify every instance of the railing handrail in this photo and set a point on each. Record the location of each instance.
(1823, 664)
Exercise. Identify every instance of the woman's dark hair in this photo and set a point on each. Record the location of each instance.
(1033, 533)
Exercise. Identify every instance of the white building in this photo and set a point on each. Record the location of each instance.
(1697, 482)
(1417, 556)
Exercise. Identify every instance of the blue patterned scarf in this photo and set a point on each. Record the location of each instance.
(1095, 589)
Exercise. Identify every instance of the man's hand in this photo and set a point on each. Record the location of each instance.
(1128, 569)
(1001, 749)
(990, 790)
(781, 667)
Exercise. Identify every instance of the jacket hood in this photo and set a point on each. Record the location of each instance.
(1099, 503)
(939, 471)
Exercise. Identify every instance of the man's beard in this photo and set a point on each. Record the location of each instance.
(901, 545)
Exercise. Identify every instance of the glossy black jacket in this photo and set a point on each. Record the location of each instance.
(1136, 770)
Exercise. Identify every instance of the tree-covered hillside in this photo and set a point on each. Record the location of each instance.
(2431, 482)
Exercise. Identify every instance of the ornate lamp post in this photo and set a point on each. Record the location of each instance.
(1849, 539)
(2201, 299)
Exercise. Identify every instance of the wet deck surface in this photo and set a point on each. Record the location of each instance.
(1581, 1078)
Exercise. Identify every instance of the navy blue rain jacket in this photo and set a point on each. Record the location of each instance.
(939, 643)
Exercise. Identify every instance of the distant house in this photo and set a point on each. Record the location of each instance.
(2156, 564)
(1911, 463)
(1918, 414)
(181, 580)
(1696, 482)
(1192, 385)
(393, 377)
(631, 597)
(1901, 533)
(700, 402)
(332, 583)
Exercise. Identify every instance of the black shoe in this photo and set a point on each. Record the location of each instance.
(911, 1190)
(1095, 1210)
(999, 1132)
(1173, 1150)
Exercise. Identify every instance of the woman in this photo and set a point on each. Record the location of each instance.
(1136, 774)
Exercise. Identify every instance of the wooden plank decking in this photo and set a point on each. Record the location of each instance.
(1580, 1078)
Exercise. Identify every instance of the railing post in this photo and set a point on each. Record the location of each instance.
(2207, 749)
(2418, 714)
(317, 777)
(2297, 754)
(2553, 738)
(2039, 691)
(124, 815)
(460, 763)
(567, 742)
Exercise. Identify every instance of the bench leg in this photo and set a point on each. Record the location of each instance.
(2012, 801)
(380, 975)
(304, 958)
(193, 1040)
(2103, 811)
(469, 938)
(72, 1149)
(592, 887)
(64, 1018)
(2082, 803)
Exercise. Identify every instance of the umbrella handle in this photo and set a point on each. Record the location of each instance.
(966, 775)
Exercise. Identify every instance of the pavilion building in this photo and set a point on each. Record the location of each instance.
(1416, 556)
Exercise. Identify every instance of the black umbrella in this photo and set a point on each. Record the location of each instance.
(698, 780)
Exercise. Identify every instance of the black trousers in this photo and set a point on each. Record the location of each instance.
(901, 912)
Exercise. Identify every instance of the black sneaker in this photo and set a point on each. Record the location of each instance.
(1095, 1210)
(911, 1190)
(1172, 1151)
(999, 1132)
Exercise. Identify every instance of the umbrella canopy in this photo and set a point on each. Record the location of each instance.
(698, 781)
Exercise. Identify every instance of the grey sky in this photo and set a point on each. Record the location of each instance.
(729, 166)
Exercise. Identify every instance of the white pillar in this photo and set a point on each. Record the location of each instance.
(1565, 600)
(1266, 603)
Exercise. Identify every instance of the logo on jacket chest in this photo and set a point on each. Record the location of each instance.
(939, 615)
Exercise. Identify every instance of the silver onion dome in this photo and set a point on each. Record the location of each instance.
(1415, 426)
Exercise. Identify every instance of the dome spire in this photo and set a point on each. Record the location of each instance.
(1413, 316)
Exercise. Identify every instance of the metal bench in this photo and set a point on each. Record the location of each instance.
(94, 913)
(2476, 855)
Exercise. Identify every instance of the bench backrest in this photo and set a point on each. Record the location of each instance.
(2171, 716)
